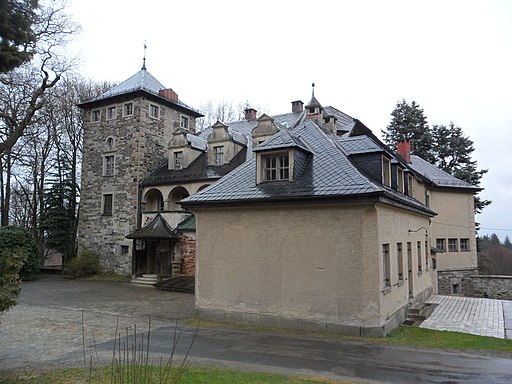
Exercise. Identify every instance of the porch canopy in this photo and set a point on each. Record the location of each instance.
(156, 229)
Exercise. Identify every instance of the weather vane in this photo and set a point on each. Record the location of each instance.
(144, 57)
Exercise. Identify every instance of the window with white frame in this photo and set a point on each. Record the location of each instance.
(108, 165)
(184, 122)
(128, 109)
(276, 167)
(219, 155)
(410, 190)
(452, 245)
(441, 245)
(154, 111)
(96, 115)
(178, 160)
(464, 245)
(107, 204)
(386, 171)
(111, 113)
(386, 266)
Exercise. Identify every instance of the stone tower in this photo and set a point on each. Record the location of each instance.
(126, 132)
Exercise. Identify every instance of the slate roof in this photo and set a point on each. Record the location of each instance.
(437, 176)
(328, 173)
(140, 81)
(156, 229)
(358, 145)
(282, 139)
(198, 170)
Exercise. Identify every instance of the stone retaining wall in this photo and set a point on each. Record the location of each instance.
(490, 286)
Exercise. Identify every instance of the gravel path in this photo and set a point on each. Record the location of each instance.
(56, 319)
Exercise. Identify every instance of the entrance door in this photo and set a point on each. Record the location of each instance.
(409, 270)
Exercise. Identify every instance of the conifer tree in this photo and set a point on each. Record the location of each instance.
(409, 122)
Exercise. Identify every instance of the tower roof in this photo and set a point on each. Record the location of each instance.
(141, 81)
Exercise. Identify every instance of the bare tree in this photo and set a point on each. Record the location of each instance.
(52, 28)
(224, 111)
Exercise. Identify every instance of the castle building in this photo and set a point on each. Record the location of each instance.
(304, 219)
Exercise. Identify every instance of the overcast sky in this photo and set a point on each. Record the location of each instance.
(454, 58)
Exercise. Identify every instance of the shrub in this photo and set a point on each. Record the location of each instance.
(11, 262)
(86, 263)
(17, 239)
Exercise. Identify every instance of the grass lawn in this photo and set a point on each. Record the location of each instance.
(193, 375)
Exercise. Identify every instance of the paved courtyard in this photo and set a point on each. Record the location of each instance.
(478, 316)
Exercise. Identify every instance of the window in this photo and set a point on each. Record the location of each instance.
(108, 204)
(184, 122)
(153, 111)
(219, 155)
(441, 245)
(410, 181)
(386, 171)
(128, 109)
(110, 143)
(178, 160)
(464, 245)
(452, 245)
(125, 249)
(386, 271)
(418, 249)
(111, 113)
(96, 115)
(108, 165)
(276, 167)
(400, 180)
(400, 262)
(427, 198)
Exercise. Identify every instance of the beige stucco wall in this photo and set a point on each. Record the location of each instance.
(394, 226)
(313, 263)
(455, 219)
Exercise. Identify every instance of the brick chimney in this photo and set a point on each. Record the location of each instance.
(169, 94)
(404, 149)
(250, 114)
(297, 106)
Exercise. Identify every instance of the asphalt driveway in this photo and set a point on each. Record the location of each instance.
(60, 323)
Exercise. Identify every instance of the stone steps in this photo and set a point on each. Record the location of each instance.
(418, 313)
(146, 280)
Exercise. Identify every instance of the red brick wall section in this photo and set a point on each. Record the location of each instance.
(188, 255)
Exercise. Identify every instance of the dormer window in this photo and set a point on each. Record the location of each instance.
(400, 180)
(276, 167)
(386, 171)
(178, 160)
(219, 155)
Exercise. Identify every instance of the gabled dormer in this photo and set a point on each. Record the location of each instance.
(280, 158)
(184, 148)
(265, 129)
(223, 144)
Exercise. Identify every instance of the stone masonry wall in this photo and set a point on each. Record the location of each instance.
(490, 286)
(139, 147)
(455, 282)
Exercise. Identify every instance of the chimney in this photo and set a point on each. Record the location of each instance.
(297, 106)
(169, 94)
(404, 149)
(250, 114)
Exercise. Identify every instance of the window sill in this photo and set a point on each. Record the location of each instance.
(400, 283)
(386, 290)
(420, 273)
